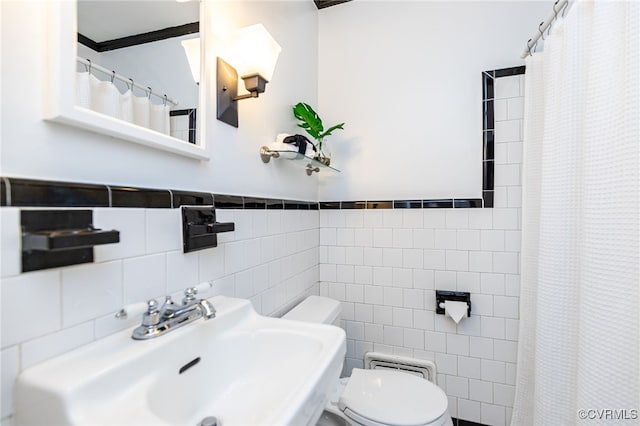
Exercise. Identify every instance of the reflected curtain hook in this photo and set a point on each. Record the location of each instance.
(89, 60)
(541, 32)
(150, 92)
(555, 12)
(535, 46)
(164, 102)
(113, 76)
(529, 47)
(564, 9)
(131, 80)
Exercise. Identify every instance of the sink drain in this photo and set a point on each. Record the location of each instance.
(208, 421)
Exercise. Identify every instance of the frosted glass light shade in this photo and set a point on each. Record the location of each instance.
(192, 50)
(252, 50)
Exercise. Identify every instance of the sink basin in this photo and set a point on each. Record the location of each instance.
(240, 367)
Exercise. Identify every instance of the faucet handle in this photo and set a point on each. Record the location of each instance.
(189, 295)
(152, 316)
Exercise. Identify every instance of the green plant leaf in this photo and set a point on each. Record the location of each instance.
(311, 122)
(331, 129)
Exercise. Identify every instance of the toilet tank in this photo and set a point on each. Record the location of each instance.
(316, 309)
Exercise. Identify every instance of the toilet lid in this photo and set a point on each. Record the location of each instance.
(392, 398)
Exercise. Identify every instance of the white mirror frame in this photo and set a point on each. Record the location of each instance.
(60, 96)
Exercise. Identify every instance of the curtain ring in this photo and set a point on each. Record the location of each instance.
(113, 76)
(150, 92)
(535, 46)
(529, 47)
(555, 12)
(564, 9)
(89, 60)
(164, 102)
(131, 80)
(541, 32)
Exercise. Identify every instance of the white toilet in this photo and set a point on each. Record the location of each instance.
(375, 397)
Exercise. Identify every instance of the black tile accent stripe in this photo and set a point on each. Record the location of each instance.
(487, 85)
(437, 204)
(227, 201)
(487, 115)
(379, 204)
(407, 204)
(488, 145)
(488, 126)
(255, 203)
(349, 205)
(275, 204)
(487, 198)
(469, 203)
(461, 422)
(506, 72)
(329, 205)
(296, 205)
(188, 198)
(3, 193)
(487, 175)
(38, 193)
(139, 197)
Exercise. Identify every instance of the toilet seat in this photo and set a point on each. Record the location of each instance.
(391, 398)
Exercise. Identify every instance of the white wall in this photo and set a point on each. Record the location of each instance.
(406, 79)
(37, 149)
(385, 265)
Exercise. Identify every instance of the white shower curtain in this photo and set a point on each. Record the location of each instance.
(104, 97)
(580, 298)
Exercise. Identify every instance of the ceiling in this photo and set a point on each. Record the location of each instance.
(102, 20)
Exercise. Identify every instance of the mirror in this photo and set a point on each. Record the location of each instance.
(111, 71)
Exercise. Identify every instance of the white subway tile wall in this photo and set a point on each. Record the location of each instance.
(383, 265)
(272, 259)
(389, 300)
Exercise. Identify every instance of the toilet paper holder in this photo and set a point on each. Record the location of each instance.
(458, 296)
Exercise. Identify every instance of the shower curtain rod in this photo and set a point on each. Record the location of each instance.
(558, 7)
(128, 81)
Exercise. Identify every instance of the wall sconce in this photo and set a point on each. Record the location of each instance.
(192, 50)
(254, 54)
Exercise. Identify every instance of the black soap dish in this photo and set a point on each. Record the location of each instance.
(54, 238)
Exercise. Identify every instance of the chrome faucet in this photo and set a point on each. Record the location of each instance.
(158, 321)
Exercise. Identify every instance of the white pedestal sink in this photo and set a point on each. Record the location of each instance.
(240, 367)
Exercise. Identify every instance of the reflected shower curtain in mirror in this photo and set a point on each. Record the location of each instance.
(104, 97)
(579, 307)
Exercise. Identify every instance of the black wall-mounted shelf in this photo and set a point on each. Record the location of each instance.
(54, 238)
(200, 229)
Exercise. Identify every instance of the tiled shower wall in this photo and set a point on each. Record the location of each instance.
(385, 265)
(271, 259)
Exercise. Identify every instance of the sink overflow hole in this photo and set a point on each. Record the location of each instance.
(209, 421)
(188, 365)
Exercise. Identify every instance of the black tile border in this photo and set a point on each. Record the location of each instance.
(191, 198)
(139, 197)
(488, 129)
(38, 193)
(20, 192)
(461, 422)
